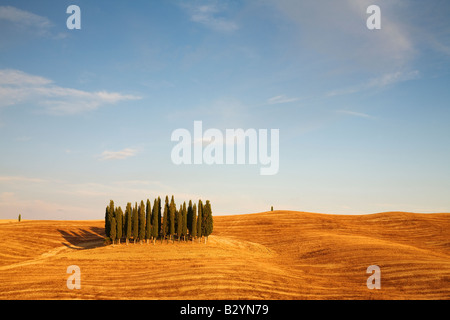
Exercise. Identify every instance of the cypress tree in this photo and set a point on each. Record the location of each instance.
(107, 222)
(141, 221)
(193, 231)
(108, 217)
(148, 221)
(207, 225)
(159, 216)
(155, 215)
(185, 220)
(128, 213)
(112, 233)
(199, 220)
(165, 227)
(111, 209)
(189, 217)
(180, 222)
(119, 223)
(172, 211)
(135, 222)
(175, 221)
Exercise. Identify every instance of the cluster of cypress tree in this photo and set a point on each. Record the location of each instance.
(146, 223)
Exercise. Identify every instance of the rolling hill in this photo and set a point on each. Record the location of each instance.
(270, 255)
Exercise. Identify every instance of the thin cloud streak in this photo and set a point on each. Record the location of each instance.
(206, 15)
(19, 87)
(25, 19)
(281, 99)
(356, 114)
(21, 179)
(383, 81)
(118, 155)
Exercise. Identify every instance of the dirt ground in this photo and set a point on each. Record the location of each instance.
(271, 255)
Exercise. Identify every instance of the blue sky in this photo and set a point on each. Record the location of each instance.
(87, 115)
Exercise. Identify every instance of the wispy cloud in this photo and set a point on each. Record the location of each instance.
(281, 99)
(24, 19)
(380, 82)
(28, 22)
(20, 78)
(337, 30)
(392, 78)
(356, 114)
(209, 15)
(18, 87)
(118, 155)
(21, 179)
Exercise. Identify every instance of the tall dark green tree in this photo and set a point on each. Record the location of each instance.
(155, 215)
(119, 223)
(107, 222)
(175, 221)
(193, 231)
(141, 221)
(148, 221)
(109, 214)
(184, 220)
(207, 223)
(180, 222)
(159, 216)
(199, 220)
(113, 229)
(189, 217)
(128, 214)
(165, 224)
(172, 211)
(135, 222)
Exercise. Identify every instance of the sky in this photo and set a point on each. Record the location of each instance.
(86, 115)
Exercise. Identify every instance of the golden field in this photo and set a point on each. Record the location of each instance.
(270, 255)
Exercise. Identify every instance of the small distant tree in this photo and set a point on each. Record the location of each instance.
(128, 213)
(193, 231)
(271, 208)
(148, 221)
(112, 234)
(207, 224)
(19, 218)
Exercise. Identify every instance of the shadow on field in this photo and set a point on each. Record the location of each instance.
(84, 238)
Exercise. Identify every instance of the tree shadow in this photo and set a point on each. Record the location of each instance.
(83, 238)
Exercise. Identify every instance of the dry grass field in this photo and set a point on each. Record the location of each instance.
(272, 255)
